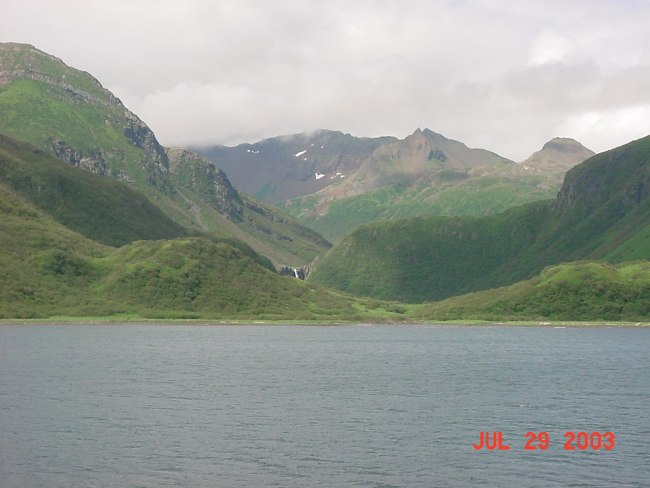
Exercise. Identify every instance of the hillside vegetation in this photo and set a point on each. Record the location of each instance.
(48, 269)
(583, 290)
(602, 212)
(101, 209)
(480, 192)
(68, 114)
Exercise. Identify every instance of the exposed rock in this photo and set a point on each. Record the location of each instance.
(23, 61)
(199, 175)
(95, 164)
(141, 136)
(300, 273)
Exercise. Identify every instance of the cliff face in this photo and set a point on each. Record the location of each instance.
(191, 171)
(620, 177)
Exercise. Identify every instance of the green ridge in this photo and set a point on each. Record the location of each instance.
(67, 113)
(47, 269)
(602, 212)
(482, 196)
(583, 290)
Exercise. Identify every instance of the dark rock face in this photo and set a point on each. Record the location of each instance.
(67, 153)
(141, 136)
(300, 273)
(195, 173)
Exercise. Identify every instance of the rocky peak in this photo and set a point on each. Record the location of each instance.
(560, 154)
(434, 137)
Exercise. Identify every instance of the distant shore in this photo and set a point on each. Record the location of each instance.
(226, 322)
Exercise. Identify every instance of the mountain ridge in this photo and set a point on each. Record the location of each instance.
(48, 267)
(67, 113)
(602, 212)
(452, 188)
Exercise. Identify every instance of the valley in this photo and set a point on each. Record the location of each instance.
(101, 220)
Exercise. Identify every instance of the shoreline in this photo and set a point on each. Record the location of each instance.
(303, 323)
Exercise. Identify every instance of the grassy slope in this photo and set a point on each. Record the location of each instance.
(482, 196)
(49, 270)
(57, 108)
(99, 208)
(581, 290)
(426, 258)
(602, 212)
(43, 265)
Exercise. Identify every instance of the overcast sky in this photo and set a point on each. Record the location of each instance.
(501, 75)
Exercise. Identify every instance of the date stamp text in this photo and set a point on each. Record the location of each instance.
(580, 440)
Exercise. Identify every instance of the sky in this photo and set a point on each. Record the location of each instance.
(500, 75)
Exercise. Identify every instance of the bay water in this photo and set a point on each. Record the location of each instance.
(139, 405)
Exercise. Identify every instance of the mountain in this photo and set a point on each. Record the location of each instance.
(602, 212)
(333, 182)
(218, 207)
(285, 167)
(49, 269)
(67, 113)
(464, 182)
(558, 155)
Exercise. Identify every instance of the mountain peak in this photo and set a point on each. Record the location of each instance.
(560, 154)
(563, 144)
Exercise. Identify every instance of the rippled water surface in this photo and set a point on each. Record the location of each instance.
(256, 406)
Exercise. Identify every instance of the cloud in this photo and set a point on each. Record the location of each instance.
(498, 74)
(551, 46)
(600, 130)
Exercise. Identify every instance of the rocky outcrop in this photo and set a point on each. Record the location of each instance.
(141, 136)
(195, 173)
(299, 273)
(95, 163)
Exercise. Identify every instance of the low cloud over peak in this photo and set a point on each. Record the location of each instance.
(493, 74)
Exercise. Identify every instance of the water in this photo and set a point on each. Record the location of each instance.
(256, 406)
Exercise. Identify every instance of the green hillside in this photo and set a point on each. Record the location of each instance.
(583, 290)
(448, 193)
(67, 113)
(429, 258)
(602, 212)
(218, 207)
(101, 209)
(48, 269)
